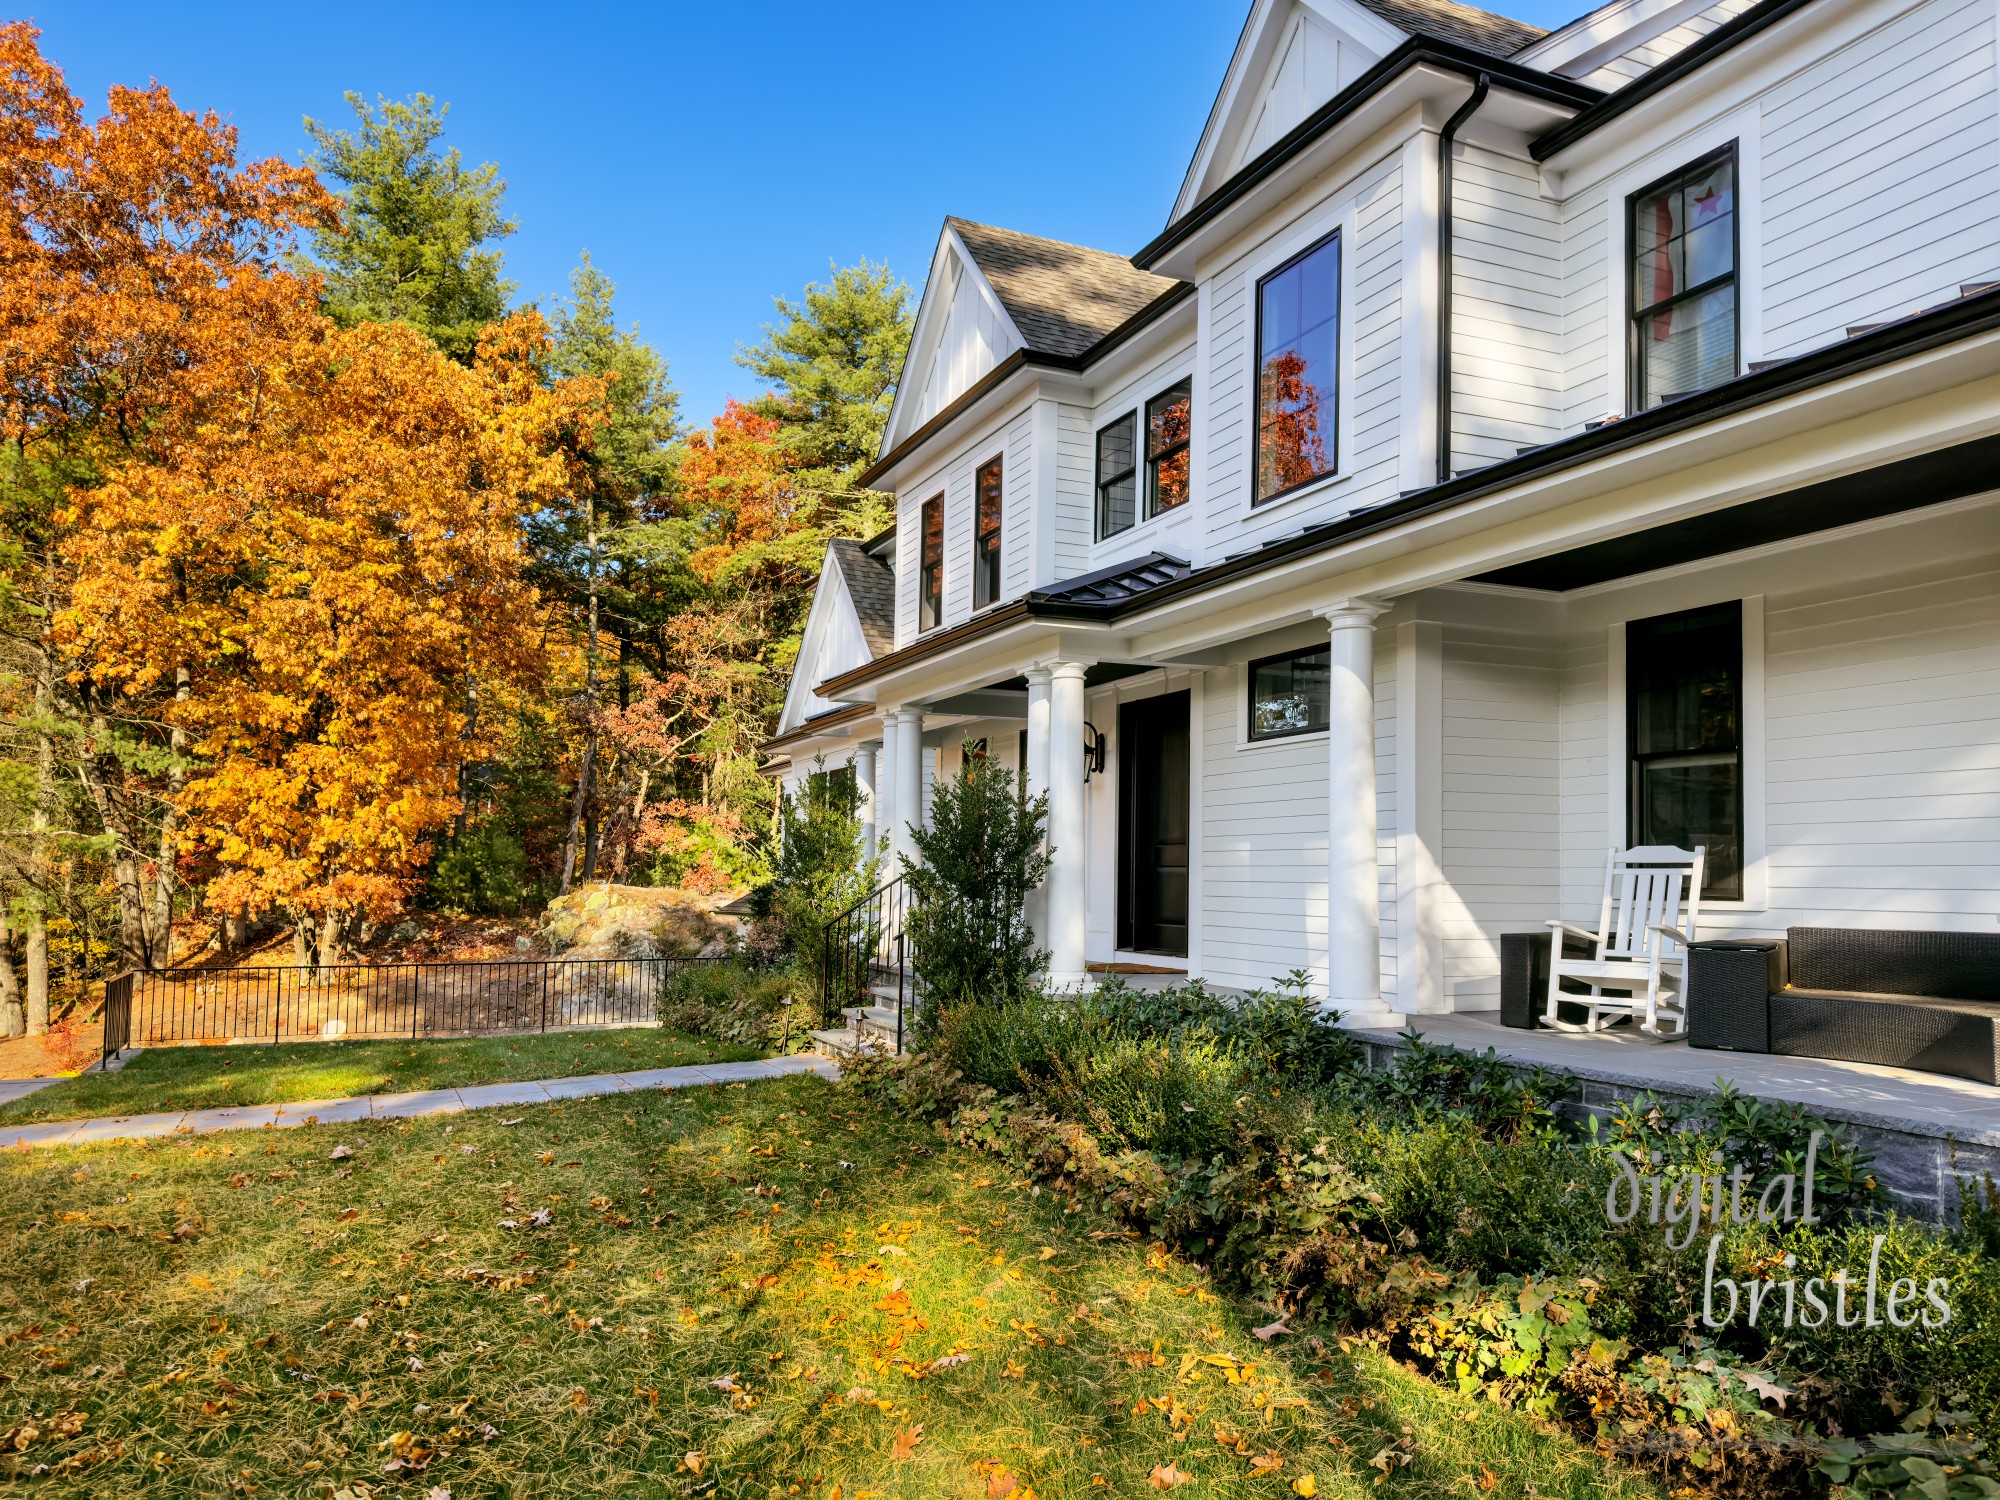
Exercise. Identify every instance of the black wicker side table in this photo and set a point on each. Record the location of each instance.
(1728, 988)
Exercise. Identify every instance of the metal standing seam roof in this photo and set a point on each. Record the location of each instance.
(1116, 584)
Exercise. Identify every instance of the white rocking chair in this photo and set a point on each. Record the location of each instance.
(1640, 918)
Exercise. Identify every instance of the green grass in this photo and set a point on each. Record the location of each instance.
(250, 1314)
(168, 1078)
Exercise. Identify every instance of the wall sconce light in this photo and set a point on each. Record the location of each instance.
(1093, 750)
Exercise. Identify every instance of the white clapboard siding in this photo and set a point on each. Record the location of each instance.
(1586, 827)
(1592, 384)
(1878, 176)
(1373, 271)
(1016, 520)
(1075, 497)
(1502, 791)
(1262, 881)
(1507, 321)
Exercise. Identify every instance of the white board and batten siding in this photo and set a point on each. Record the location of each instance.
(975, 336)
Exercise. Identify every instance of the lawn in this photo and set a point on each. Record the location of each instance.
(169, 1078)
(763, 1290)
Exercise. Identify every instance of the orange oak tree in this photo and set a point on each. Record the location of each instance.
(140, 284)
(316, 574)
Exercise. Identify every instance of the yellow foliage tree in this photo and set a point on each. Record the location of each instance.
(307, 583)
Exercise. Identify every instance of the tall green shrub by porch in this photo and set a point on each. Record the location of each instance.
(981, 856)
(821, 867)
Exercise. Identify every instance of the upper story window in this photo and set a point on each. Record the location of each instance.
(1288, 694)
(1117, 475)
(1168, 418)
(1298, 386)
(986, 503)
(1682, 234)
(930, 565)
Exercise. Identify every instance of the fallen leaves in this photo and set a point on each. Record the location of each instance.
(1166, 1477)
(1270, 1331)
(1305, 1484)
(904, 1447)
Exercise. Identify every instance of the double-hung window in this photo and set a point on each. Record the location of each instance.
(986, 505)
(1684, 733)
(1298, 382)
(1168, 417)
(930, 563)
(1117, 475)
(1288, 694)
(1682, 234)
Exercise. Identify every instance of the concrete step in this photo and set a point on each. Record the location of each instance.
(881, 1015)
(847, 1042)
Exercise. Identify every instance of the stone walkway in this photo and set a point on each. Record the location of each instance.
(403, 1106)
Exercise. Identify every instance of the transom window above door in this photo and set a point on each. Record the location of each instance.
(1298, 382)
(1683, 256)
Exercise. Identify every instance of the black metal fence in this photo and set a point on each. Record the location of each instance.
(384, 1000)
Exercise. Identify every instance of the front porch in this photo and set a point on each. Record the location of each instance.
(1926, 1131)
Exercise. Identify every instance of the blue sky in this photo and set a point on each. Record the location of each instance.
(710, 156)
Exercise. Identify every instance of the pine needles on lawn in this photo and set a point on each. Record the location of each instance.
(756, 1290)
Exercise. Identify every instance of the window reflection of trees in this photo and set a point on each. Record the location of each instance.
(1292, 446)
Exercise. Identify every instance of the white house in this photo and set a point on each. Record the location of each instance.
(1513, 446)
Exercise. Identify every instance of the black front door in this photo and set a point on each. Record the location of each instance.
(1153, 825)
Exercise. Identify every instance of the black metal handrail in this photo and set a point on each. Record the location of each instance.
(274, 1004)
(865, 946)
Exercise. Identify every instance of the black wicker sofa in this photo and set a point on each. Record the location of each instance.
(1923, 1000)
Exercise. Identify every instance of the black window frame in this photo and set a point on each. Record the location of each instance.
(1257, 370)
(1182, 389)
(987, 564)
(1635, 374)
(1130, 471)
(1250, 693)
(930, 585)
(1636, 832)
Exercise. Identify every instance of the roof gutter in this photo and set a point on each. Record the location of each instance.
(1446, 137)
(1966, 318)
(1757, 18)
(1417, 51)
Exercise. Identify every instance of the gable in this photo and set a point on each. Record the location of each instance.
(1620, 42)
(1295, 55)
(844, 630)
(962, 332)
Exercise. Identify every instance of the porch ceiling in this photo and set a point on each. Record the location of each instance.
(1890, 489)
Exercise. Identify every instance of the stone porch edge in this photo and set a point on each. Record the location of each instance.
(1919, 1162)
(404, 1106)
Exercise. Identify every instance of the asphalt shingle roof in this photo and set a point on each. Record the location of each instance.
(1063, 298)
(1445, 19)
(872, 587)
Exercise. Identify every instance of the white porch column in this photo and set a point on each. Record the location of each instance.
(907, 775)
(1035, 781)
(885, 797)
(864, 786)
(1353, 894)
(1065, 887)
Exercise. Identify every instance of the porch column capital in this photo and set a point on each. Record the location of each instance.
(1064, 671)
(1352, 614)
(1037, 673)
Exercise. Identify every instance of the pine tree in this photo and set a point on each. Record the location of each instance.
(416, 219)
